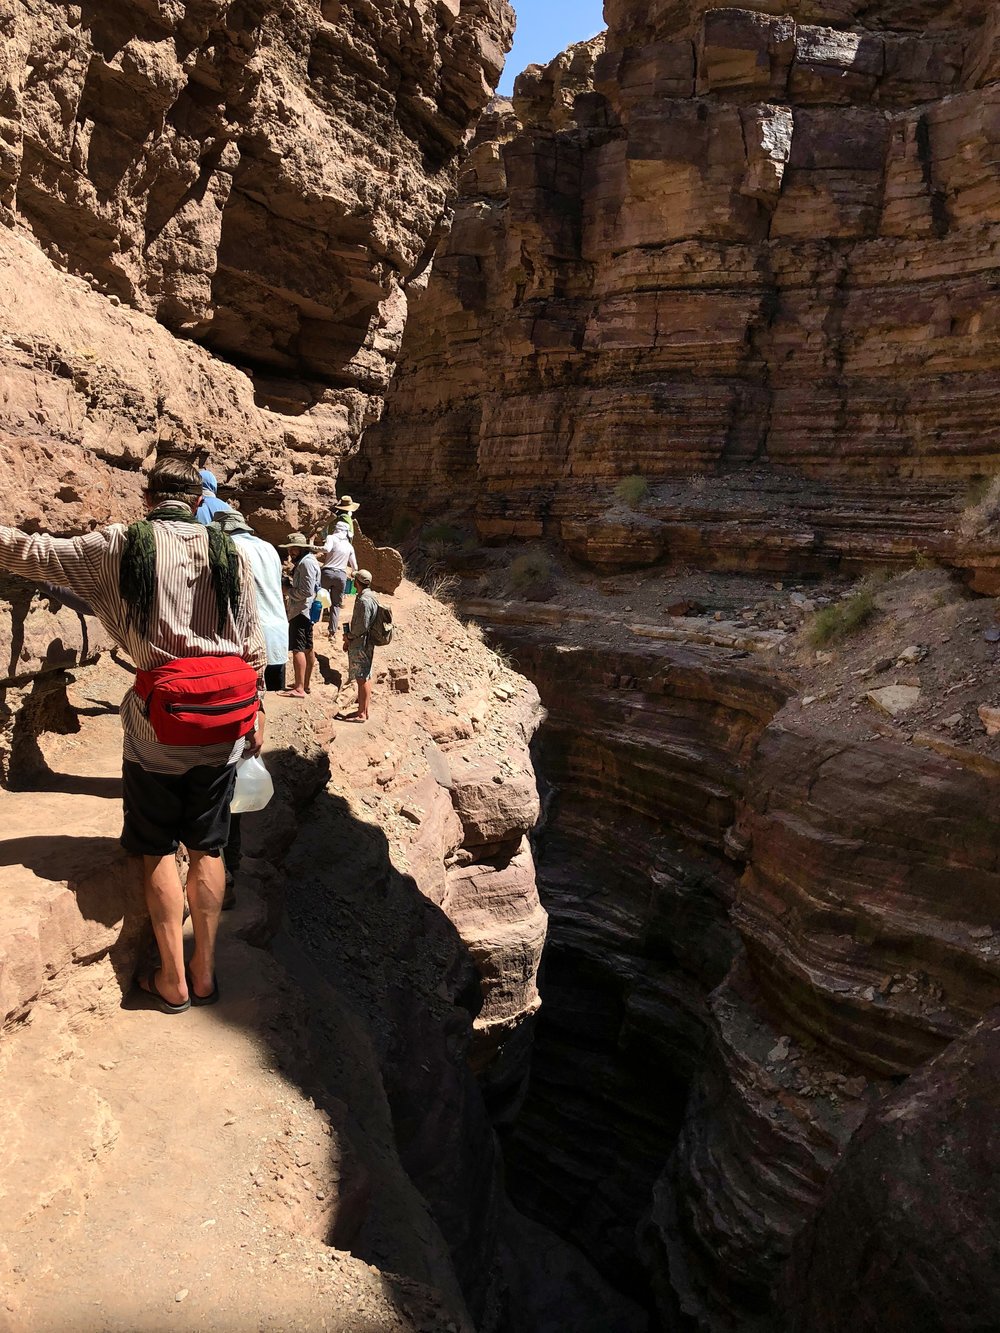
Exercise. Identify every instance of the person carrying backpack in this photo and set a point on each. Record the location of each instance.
(178, 598)
(360, 640)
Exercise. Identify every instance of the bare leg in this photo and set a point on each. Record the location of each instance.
(298, 690)
(206, 885)
(364, 698)
(310, 662)
(165, 901)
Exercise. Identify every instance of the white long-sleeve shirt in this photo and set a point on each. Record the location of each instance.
(338, 552)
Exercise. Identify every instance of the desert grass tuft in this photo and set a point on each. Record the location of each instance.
(842, 619)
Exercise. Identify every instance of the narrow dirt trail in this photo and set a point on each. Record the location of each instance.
(170, 1172)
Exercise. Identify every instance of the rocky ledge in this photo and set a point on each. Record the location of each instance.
(404, 1010)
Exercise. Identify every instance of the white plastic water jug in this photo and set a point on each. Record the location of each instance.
(254, 787)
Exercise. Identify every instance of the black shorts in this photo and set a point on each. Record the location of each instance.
(274, 677)
(163, 810)
(300, 634)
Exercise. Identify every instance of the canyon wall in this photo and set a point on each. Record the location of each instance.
(261, 179)
(646, 747)
(740, 253)
(758, 928)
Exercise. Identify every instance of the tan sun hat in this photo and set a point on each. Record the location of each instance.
(298, 539)
(363, 577)
(231, 520)
(345, 502)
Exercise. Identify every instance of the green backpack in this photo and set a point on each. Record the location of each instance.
(381, 630)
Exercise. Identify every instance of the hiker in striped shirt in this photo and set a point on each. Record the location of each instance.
(179, 600)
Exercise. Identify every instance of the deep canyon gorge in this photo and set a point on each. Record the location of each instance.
(638, 968)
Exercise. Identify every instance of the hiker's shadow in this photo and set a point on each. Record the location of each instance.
(95, 869)
(331, 674)
(70, 784)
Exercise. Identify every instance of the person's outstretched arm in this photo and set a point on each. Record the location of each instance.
(77, 563)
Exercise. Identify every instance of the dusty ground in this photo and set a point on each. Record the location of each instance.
(172, 1172)
(175, 1172)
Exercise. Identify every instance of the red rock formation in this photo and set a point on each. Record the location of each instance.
(906, 1235)
(257, 179)
(727, 243)
(208, 213)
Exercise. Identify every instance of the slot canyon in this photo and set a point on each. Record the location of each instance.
(637, 967)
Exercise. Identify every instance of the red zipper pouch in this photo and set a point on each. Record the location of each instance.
(199, 700)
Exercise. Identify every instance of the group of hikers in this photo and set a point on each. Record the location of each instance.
(326, 566)
(194, 597)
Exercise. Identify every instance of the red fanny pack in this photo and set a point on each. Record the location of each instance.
(199, 700)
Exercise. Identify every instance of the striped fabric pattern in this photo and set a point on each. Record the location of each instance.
(184, 616)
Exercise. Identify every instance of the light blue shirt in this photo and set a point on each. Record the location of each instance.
(266, 564)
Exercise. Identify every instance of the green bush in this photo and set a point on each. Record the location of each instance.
(841, 619)
(632, 490)
(529, 570)
(440, 532)
(401, 527)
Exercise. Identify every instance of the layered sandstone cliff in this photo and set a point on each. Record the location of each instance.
(760, 922)
(746, 244)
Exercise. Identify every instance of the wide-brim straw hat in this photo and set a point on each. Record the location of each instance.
(345, 502)
(298, 539)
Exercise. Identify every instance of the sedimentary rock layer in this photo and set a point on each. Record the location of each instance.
(713, 240)
(647, 748)
(835, 893)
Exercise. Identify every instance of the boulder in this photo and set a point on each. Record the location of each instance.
(907, 1235)
(894, 699)
(494, 806)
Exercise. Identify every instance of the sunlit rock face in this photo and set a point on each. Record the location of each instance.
(259, 179)
(719, 241)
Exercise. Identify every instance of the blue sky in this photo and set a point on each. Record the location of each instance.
(546, 27)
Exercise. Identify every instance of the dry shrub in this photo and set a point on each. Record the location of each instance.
(981, 516)
(841, 619)
(528, 571)
(632, 490)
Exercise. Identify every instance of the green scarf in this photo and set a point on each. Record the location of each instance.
(137, 575)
